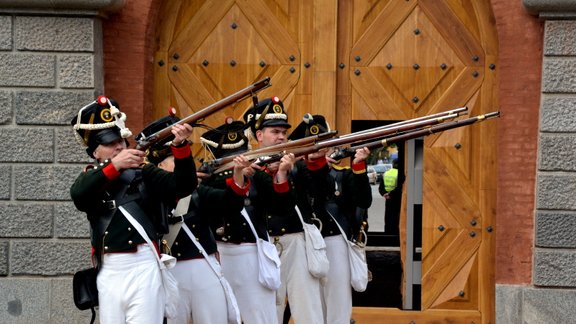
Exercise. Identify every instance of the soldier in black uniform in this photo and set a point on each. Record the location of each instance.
(236, 241)
(129, 281)
(268, 124)
(340, 195)
(202, 297)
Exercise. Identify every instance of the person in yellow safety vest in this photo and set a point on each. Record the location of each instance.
(390, 179)
(390, 189)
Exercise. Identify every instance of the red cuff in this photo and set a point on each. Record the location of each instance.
(281, 187)
(181, 152)
(317, 164)
(359, 167)
(110, 171)
(240, 191)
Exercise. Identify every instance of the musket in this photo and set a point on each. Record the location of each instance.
(343, 140)
(145, 142)
(456, 112)
(347, 152)
(224, 162)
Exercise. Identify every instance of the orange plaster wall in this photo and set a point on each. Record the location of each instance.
(520, 38)
(128, 58)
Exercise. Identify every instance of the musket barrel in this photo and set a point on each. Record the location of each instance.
(145, 142)
(347, 152)
(453, 112)
(402, 133)
(379, 132)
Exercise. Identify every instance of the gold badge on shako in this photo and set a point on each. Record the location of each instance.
(232, 137)
(277, 109)
(106, 115)
(314, 130)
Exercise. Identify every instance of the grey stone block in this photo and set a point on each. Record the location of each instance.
(5, 107)
(509, 304)
(49, 258)
(554, 268)
(557, 152)
(3, 258)
(70, 222)
(44, 182)
(5, 33)
(49, 108)
(555, 229)
(549, 8)
(545, 306)
(62, 308)
(26, 220)
(556, 191)
(76, 71)
(25, 301)
(559, 75)
(560, 37)
(68, 150)
(64, 34)
(65, 5)
(5, 182)
(26, 145)
(27, 70)
(558, 114)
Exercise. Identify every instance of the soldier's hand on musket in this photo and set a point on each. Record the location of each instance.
(181, 133)
(128, 158)
(249, 172)
(361, 155)
(273, 167)
(241, 163)
(328, 158)
(286, 165)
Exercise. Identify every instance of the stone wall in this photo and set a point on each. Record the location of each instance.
(552, 296)
(50, 66)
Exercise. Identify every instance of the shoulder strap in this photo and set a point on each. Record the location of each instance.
(138, 213)
(244, 213)
(344, 233)
(170, 263)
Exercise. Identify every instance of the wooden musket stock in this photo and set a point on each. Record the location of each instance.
(145, 142)
(223, 162)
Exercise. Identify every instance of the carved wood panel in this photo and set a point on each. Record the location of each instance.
(363, 60)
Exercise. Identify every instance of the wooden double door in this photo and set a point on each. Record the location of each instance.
(363, 60)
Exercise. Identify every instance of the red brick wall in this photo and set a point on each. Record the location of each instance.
(128, 58)
(128, 55)
(520, 60)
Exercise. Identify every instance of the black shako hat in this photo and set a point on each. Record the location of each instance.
(99, 122)
(226, 139)
(311, 125)
(161, 149)
(268, 113)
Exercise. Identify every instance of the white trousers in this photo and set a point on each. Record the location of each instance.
(202, 298)
(298, 285)
(130, 288)
(336, 289)
(240, 267)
